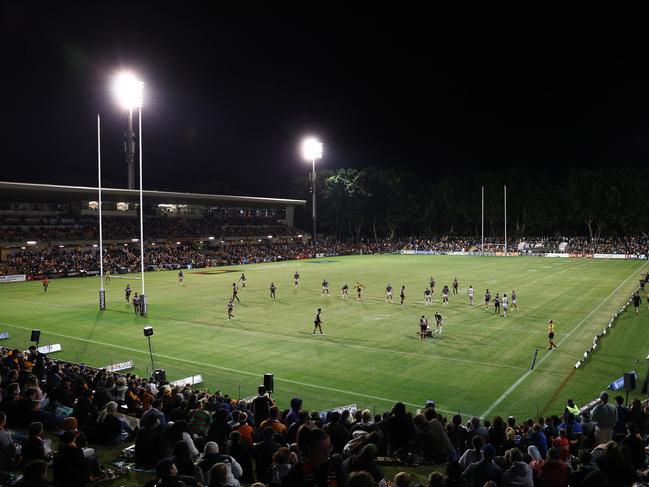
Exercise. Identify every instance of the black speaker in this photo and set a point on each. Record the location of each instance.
(268, 382)
(159, 375)
(629, 381)
(36, 336)
(148, 331)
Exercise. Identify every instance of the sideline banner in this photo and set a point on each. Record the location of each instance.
(50, 348)
(196, 379)
(14, 278)
(609, 256)
(120, 366)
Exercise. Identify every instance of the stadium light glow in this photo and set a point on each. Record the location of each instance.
(311, 149)
(61, 246)
(300, 236)
(31, 242)
(211, 238)
(135, 240)
(177, 243)
(270, 236)
(95, 245)
(128, 90)
(23, 248)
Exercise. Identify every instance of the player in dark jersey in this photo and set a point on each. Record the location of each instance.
(273, 288)
(325, 287)
(136, 304)
(46, 283)
(317, 321)
(551, 335)
(438, 322)
(428, 297)
(423, 327)
(487, 299)
(388, 293)
(230, 309)
(514, 297)
(402, 294)
(242, 280)
(127, 293)
(235, 292)
(445, 295)
(345, 291)
(637, 300)
(431, 283)
(497, 304)
(296, 279)
(455, 285)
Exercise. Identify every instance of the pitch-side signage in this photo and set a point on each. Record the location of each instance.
(13, 278)
(196, 379)
(50, 348)
(120, 366)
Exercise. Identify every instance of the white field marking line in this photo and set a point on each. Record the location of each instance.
(236, 371)
(511, 389)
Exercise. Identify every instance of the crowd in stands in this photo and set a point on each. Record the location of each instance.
(127, 227)
(193, 437)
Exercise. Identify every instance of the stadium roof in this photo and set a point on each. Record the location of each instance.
(30, 192)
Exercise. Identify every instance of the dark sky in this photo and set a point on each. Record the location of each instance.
(228, 97)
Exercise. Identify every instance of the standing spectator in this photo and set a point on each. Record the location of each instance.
(7, 446)
(244, 429)
(458, 435)
(211, 457)
(619, 429)
(273, 422)
(241, 451)
(604, 416)
(618, 469)
(519, 473)
(472, 455)
(34, 446)
(337, 433)
(477, 474)
(292, 416)
(400, 430)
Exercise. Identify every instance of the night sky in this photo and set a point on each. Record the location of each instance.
(228, 98)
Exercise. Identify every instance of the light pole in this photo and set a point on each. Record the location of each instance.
(129, 92)
(312, 150)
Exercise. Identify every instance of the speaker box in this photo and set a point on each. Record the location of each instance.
(629, 381)
(268, 382)
(148, 331)
(160, 375)
(36, 336)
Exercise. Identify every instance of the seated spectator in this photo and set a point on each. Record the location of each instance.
(519, 473)
(474, 454)
(538, 439)
(191, 474)
(400, 430)
(111, 428)
(280, 466)
(436, 479)
(242, 453)
(454, 475)
(315, 462)
(34, 447)
(263, 453)
(244, 429)
(274, 422)
(338, 434)
(34, 475)
(85, 410)
(155, 409)
(211, 457)
(218, 475)
(361, 478)
(69, 466)
(586, 467)
(478, 473)
(554, 472)
(178, 431)
(635, 446)
(149, 444)
(167, 474)
(402, 479)
(199, 420)
(615, 466)
(365, 461)
(8, 455)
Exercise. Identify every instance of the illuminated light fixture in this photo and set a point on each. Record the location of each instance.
(135, 240)
(210, 238)
(125, 245)
(222, 241)
(270, 236)
(153, 243)
(177, 243)
(258, 240)
(300, 236)
(31, 242)
(128, 90)
(23, 248)
(311, 149)
(200, 241)
(61, 246)
(95, 245)
(93, 205)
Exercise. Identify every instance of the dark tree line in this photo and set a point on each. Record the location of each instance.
(375, 204)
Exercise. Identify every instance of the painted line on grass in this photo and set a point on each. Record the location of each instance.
(520, 380)
(235, 371)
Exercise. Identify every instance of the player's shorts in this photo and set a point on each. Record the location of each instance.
(513, 301)
(550, 335)
(389, 294)
(423, 328)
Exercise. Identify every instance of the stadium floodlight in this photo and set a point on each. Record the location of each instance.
(31, 242)
(95, 245)
(128, 90)
(312, 150)
(61, 246)
(210, 238)
(270, 236)
(135, 240)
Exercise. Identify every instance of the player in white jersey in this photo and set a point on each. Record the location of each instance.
(325, 287)
(505, 303)
(296, 279)
(438, 322)
(471, 294)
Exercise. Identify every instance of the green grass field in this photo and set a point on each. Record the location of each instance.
(371, 355)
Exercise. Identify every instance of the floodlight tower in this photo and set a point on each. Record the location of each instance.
(129, 92)
(312, 150)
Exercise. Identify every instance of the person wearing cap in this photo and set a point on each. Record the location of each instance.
(479, 473)
(261, 405)
(604, 415)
